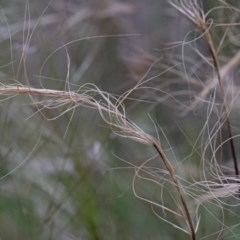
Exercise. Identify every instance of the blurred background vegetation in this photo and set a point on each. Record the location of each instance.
(68, 176)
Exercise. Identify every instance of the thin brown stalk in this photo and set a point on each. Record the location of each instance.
(178, 187)
(192, 11)
(110, 113)
(226, 118)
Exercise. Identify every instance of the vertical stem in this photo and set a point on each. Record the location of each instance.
(179, 190)
(226, 115)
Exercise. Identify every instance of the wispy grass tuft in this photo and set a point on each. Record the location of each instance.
(190, 189)
(113, 114)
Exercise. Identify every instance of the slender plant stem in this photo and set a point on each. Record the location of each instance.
(225, 111)
(179, 190)
(76, 97)
(194, 13)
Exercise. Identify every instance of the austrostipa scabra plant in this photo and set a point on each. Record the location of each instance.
(218, 93)
(193, 11)
(162, 134)
(114, 115)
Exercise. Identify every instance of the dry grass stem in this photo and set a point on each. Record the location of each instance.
(192, 10)
(112, 113)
